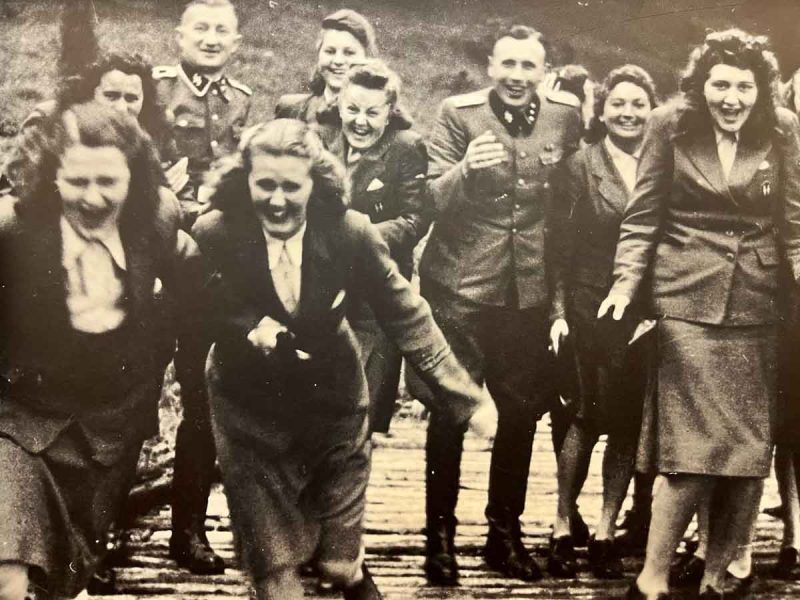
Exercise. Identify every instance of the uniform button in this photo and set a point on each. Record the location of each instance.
(215, 117)
(214, 143)
(214, 92)
(729, 233)
(730, 256)
(514, 230)
(523, 154)
(521, 181)
(516, 206)
(182, 123)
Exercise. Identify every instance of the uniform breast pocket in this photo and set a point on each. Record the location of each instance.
(191, 136)
(768, 257)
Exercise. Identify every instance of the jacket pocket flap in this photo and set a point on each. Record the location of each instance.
(768, 256)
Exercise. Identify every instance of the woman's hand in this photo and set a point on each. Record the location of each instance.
(484, 420)
(177, 176)
(558, 331)
(616, 301)
(265, 335)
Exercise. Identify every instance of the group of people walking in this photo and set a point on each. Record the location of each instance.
(627, 267)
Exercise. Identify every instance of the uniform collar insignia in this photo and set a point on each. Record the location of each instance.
(201, 84)
(518, 121)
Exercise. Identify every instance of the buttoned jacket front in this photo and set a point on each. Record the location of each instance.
(715, 248)
(489, 228)
(206, 123)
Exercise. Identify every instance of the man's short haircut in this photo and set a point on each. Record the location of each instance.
(521, 32)
(212, 4)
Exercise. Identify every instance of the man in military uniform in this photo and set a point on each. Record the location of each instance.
(208, 111)
(206, 108)
(492, 153)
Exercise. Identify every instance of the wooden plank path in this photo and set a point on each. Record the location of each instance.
(394, 539)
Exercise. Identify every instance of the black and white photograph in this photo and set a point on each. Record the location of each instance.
(399, 299)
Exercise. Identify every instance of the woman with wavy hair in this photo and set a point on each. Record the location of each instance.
(82, 248)
(286, 385)
(714, 219)
(591, 191)
(345, 39)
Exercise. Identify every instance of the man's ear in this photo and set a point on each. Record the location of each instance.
(237, 41)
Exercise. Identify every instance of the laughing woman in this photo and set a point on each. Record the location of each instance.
(716, 203)
(82, 247)
(386, 165)
(346, 38)
(593, 188)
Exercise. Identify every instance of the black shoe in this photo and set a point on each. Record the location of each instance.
(634, 528)
(788, 565)
(561, 559)
(603, 559)
(364, 589)
(440, 566)
(776, 512)
(710, 594)
(505, 552)
(193, 552)
(738, 587)
(634, 593)
(103, 581)
(687, 571)
(578, 529)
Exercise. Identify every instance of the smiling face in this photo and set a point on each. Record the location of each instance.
(730, 94)
(93, 184)
(338, 51)
(516, 68)
(121, 91)
(365, 115)
(208, 36)
(625, 113)
(280, 187)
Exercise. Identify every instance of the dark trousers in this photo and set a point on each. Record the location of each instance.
(506, 348)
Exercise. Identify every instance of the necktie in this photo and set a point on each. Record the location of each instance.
(726, 148)
(283, 277)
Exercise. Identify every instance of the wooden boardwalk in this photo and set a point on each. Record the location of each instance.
(394, 539)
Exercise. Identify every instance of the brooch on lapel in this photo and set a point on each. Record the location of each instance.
(764, 165)
(375, 184)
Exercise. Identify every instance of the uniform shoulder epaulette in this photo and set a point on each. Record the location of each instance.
(165, 72)
(563, 97)
(470, 99)
(240, 86)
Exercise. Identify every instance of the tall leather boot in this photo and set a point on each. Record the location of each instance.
(443, 451)
(191, 484)
(504, 550)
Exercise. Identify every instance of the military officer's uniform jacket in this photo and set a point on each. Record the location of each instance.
(207, 118)
(488, 237)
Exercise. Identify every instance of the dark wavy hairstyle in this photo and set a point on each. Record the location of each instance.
(373, 75)
(94, 125)
(81, 87)
(353, 23)
(281, 137)
(738, 49)
(626, 73)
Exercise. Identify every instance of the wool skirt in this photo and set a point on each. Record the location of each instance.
(715, 412)
(56, 508)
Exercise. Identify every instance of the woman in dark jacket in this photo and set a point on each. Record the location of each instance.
(287, 389)
(715, 212)
(82, 248)
(346, 38)
(592, 190)
(386, 165)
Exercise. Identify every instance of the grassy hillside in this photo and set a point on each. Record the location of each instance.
(438, 46)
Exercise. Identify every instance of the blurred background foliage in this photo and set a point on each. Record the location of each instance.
(439, 47)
